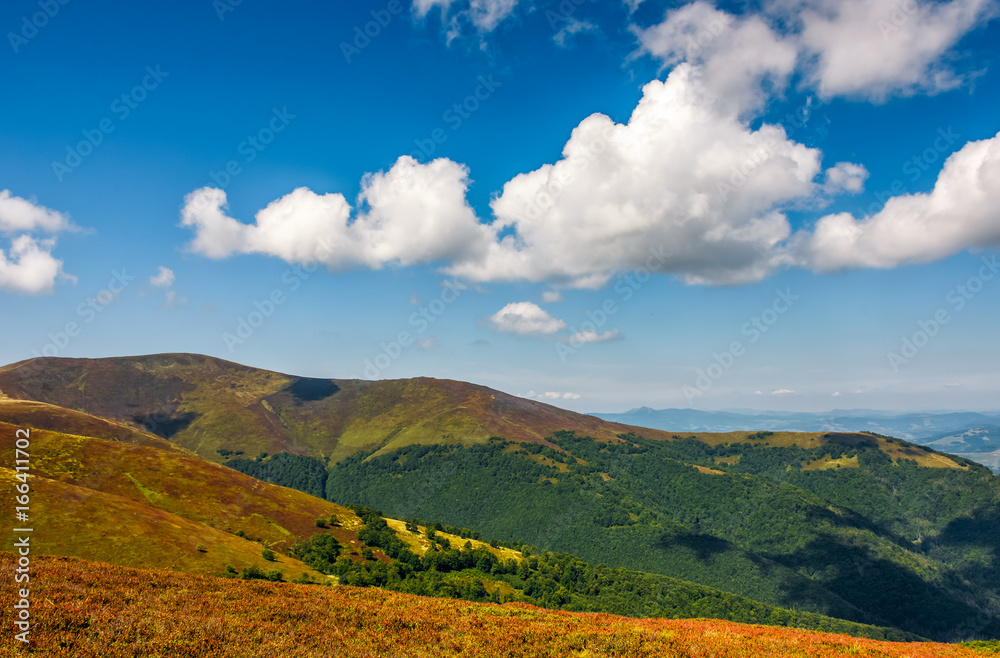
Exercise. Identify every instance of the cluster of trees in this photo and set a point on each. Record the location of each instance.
(551, 580)
(253, 572)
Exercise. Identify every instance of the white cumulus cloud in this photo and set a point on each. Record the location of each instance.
(692, 185)
(864, 49)
(525, 318)
(412, 214)
(736, 54)
(961, 212)
(685, 187)
(846, 177)
(873, 49)
(22, 215)
(27, 266)
(164, 278)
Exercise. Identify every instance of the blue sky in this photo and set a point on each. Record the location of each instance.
(790, 205)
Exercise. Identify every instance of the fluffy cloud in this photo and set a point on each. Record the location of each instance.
(846, 177)
(28, 266)
(413, 214)
(736, 54)
(164, 278)
(484, 15)
(867, 49)
(21, 215)
(961, 212)
(525, 318)
(876, 48)
(686, 187)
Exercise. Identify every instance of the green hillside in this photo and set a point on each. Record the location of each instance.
(888, 542)
(855, 526)
(80, 522)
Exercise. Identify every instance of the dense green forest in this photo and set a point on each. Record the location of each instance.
(550, 580)
(886, 543)
(295, 471)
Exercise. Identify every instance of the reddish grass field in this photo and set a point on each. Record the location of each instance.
(90, 609)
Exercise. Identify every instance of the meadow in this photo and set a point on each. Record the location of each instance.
(89, 609)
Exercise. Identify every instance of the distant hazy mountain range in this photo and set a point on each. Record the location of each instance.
(972, 435)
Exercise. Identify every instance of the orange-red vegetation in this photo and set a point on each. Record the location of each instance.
(89, 609)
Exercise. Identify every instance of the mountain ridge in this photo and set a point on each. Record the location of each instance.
(204, 404)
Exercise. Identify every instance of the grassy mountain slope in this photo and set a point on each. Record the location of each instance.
(205, 404)
(187, 616)
(189, 487)
(88, 524)
(39, 415)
